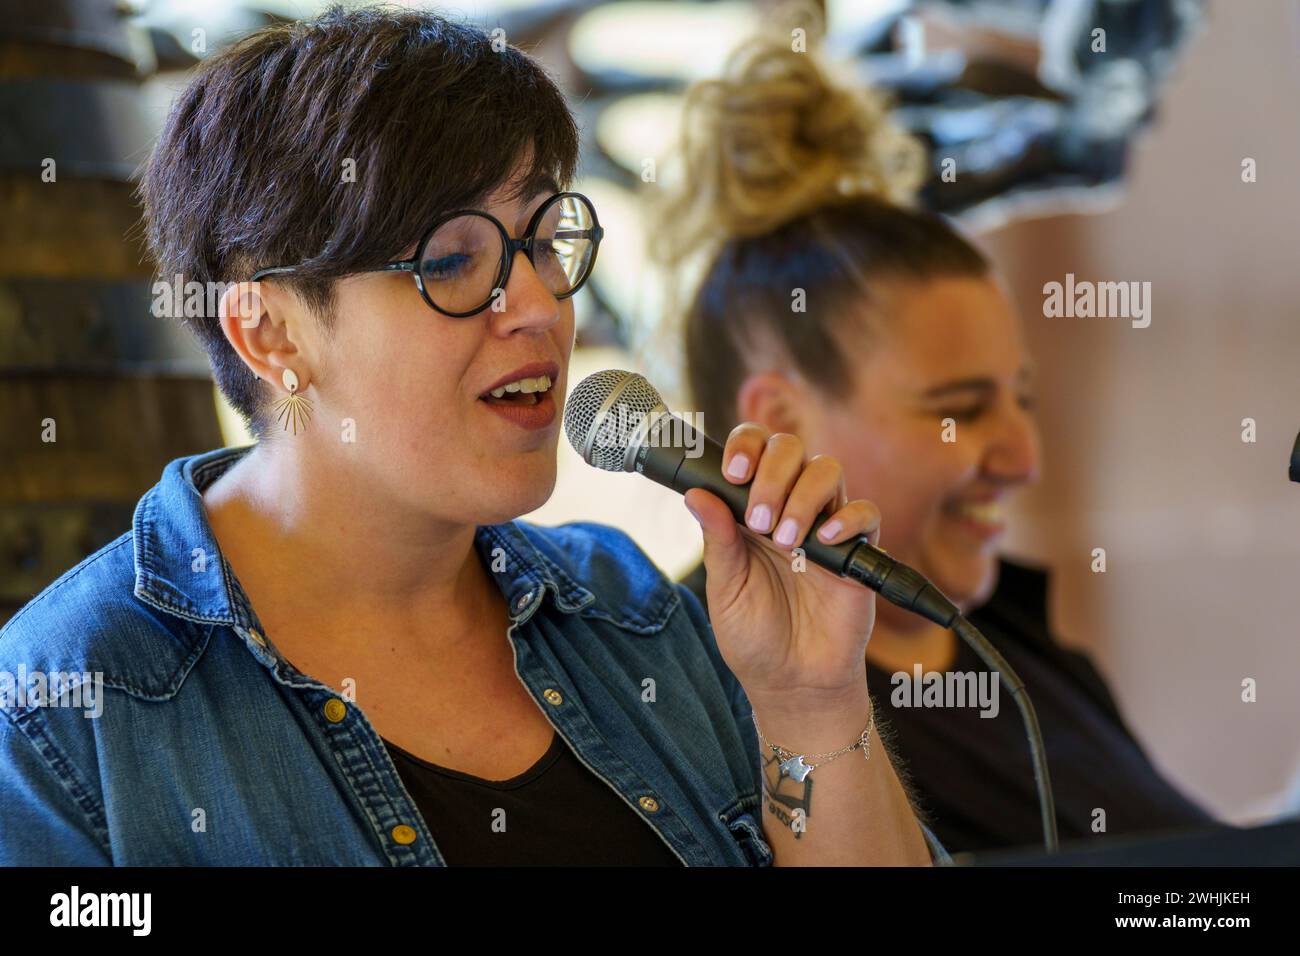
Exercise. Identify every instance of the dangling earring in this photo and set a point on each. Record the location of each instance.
(293, 407)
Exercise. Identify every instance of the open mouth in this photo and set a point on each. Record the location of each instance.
(987, 519)
(524, 391)
(981, 512)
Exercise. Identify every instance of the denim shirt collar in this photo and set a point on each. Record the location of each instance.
(174, 544)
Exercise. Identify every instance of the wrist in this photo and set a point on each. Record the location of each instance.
(822, 724)
(810, 704)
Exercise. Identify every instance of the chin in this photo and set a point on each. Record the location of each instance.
(968, 582)
(507, 497)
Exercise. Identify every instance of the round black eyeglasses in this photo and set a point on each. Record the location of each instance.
(463, 261)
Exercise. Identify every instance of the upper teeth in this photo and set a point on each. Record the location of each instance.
(526, 385)
(985, 512)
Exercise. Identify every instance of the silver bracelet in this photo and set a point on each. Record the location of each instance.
(796, 766)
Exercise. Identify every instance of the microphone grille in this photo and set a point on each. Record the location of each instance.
(592, 422)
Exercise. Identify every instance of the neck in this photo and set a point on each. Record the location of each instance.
(901, 639)
(313, 532)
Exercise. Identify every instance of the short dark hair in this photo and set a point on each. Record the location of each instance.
(249, 169)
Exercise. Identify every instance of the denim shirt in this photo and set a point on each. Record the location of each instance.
(173, 732)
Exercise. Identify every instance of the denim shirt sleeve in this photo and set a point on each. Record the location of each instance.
(43, 823)
(743, 712)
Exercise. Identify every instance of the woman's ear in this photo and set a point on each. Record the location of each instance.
(773, 400)
(259, 337)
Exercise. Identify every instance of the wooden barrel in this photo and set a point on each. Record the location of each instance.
(83, 359)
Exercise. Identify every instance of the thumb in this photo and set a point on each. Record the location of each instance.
(726, 556)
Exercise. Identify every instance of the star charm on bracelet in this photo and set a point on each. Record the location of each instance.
(793, 765)
(795, 768)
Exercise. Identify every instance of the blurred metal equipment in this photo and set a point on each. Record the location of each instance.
(1035, 103)
(1028, 107)
(96, 393)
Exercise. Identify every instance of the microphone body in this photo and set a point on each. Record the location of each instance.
(672, 452)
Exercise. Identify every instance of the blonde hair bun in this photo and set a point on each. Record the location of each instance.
(775, 137)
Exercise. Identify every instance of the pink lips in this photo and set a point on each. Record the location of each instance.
(532, 417)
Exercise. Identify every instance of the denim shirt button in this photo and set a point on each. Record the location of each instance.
(553, 697)
(523, 600)
(649, 804)
(403, 834)
(257, 638)
(335, 710)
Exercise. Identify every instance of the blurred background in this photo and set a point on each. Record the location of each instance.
(1172, 161)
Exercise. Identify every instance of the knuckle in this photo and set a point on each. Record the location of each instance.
(867, 509)
(785, 442)
(747, 431)
(827, 462)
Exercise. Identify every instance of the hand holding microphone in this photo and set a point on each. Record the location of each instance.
(787, 628)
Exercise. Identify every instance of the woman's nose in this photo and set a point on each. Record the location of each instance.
(526, 302)
(1014, 453)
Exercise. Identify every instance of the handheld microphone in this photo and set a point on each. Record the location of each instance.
(617, 421)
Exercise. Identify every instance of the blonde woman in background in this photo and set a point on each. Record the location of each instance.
(796, 193)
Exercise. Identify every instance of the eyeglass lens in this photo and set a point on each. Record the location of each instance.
(461, 263)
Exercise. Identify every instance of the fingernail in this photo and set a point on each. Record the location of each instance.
(694, 514)
(830, 529)
(785, 534)
(760, 519)
(739, 466)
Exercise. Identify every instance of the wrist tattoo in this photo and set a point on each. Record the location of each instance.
(787, 799)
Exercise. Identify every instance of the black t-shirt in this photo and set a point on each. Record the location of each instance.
(556, 813)
(972, 775)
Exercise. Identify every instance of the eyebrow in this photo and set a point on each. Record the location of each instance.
(979, 384)
(539, 184)
(545, 183)
(961, 385)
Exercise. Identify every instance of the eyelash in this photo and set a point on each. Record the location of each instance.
(1027, 402)
(962, 414)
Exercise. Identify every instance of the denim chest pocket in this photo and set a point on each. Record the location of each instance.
(740, 820)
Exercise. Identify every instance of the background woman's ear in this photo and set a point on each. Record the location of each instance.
(774, 400)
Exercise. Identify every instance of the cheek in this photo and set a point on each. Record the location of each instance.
(909, 474)
(400, 387)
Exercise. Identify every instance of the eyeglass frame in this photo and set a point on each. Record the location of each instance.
(510, 247)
